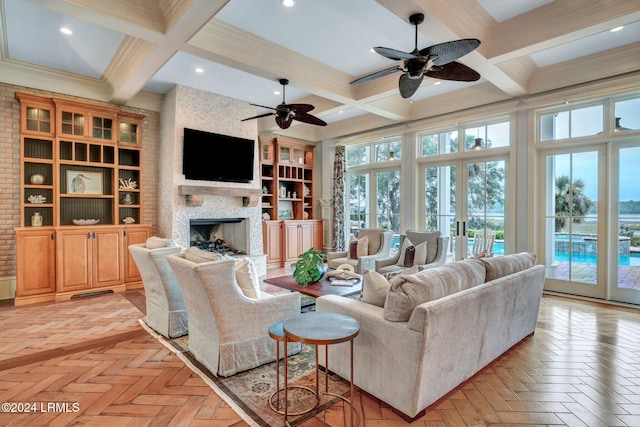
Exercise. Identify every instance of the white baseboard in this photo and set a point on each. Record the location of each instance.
(7, 287)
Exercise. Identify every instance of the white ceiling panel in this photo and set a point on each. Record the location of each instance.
(34, 36)
(501, 10)
(338, 33)
(588, 46)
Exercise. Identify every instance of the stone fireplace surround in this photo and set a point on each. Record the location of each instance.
(187, 107)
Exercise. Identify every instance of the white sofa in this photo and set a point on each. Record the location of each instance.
(482, 307)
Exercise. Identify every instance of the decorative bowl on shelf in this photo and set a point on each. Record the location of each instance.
(36, 198)
(85, 221)
(128, 220)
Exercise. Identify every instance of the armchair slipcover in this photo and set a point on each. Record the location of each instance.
(228, 332)
(166, 312)
(436, 251)
(379, 247)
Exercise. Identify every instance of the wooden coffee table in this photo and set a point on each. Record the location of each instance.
(318, 289)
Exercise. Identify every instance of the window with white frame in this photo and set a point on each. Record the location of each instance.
(572, 123)
(487, 136)
(445, 142)
(373, 175)
(627, 117)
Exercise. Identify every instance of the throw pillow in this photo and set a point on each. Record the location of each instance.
(358, 247)
(375, 286)
(247, 278)
(409, 291)
(419, 253)
(155, 242)
(196, 255)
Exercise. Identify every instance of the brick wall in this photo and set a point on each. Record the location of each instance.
(10, 168)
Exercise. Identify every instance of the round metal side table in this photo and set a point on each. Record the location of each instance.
(277, 333)
(322, 328)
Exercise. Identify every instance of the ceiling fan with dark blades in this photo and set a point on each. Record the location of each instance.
(437, 61)
(286, 113)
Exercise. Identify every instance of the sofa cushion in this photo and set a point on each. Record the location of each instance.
(196, 255)
(358, 247)
(408, 291)
(375, 286)
(247, 277)
(419, 253)
(155, 242)
(497, 267)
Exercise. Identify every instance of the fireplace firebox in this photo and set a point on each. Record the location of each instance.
(223, 235)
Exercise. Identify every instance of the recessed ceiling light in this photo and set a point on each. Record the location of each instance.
(276, 92)
(65, 30)
(372, 50)
(436, 83)
(616, 29)
(288, 3)
(198, 70)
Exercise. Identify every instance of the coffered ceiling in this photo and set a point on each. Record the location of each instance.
(132, 51)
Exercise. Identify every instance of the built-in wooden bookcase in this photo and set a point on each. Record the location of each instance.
(287, 178)
(80, 191)
(286, 168)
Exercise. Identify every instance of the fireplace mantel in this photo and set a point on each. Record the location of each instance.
(194, 194)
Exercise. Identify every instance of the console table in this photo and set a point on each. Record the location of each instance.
(321, 329)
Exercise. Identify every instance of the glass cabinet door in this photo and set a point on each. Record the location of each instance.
(267, 152)
(285, 154)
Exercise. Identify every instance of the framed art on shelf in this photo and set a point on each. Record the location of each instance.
(82, 182)
(285, 210)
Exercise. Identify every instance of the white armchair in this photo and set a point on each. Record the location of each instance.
(379, 247)
(436, 248)
(165, 309)
(228, 332)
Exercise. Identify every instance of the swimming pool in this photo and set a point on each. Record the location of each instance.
(632, 259)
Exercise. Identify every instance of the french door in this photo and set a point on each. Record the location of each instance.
(463, 198)
(592, 222)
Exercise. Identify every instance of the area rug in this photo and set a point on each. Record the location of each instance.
(248, 392)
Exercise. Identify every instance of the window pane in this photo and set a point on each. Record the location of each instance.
(572, 217)
(498, 135)
(357, 155)
(358, 202)
(554, 126)
(442, 143)
(627, 116)
(388, 200)
(429, 144)
(384, 151)
(586, 121)
(495, 135)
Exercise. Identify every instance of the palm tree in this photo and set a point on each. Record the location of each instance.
(571, 201)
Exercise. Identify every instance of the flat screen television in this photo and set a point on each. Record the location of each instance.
(210, 156)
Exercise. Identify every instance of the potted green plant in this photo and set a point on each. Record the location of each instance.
(309, 267)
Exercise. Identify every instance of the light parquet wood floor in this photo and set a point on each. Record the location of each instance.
(580, 368)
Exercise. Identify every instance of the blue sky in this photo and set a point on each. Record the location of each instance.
(589, 121)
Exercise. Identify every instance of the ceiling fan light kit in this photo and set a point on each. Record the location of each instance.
(437, 61)
(287, 113)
